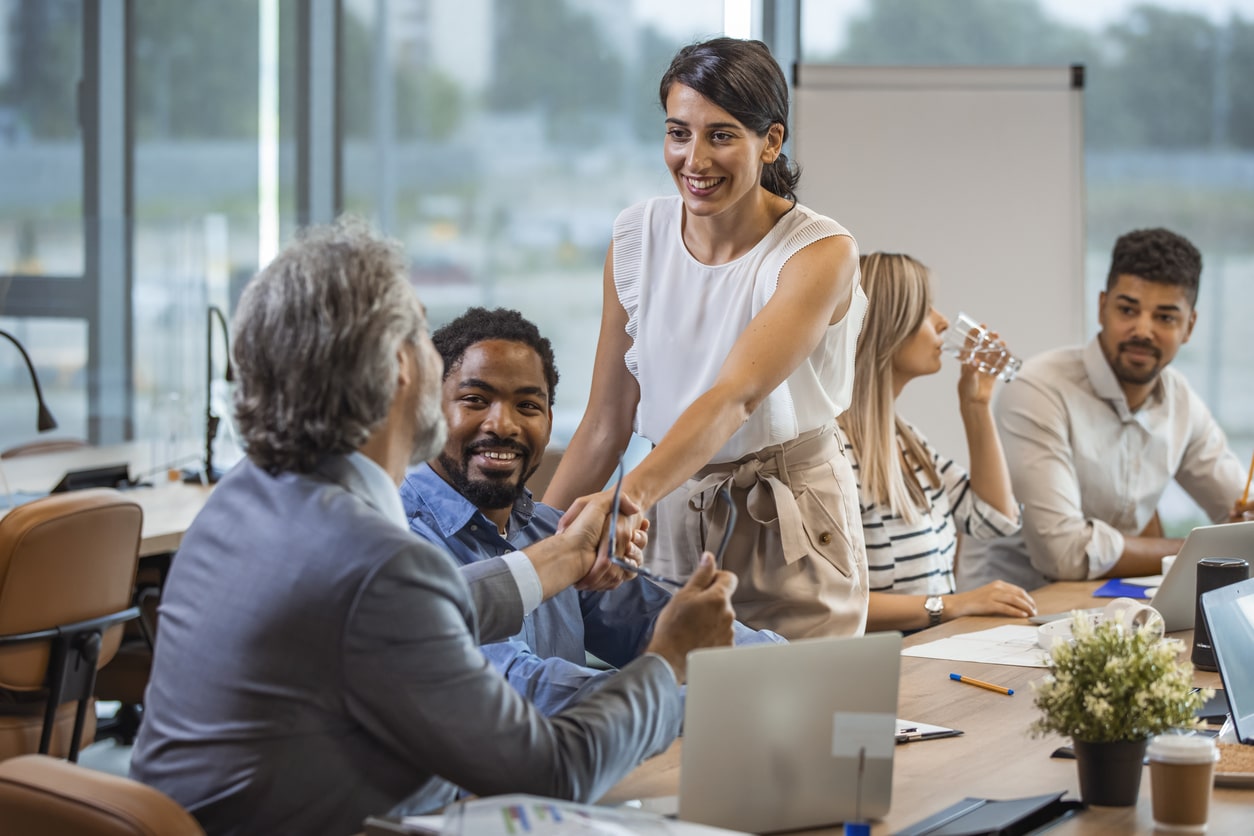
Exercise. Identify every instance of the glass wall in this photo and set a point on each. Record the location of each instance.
(499, 139)
(206, 82)
(1169, 139)
(41, 206)
(198, 151)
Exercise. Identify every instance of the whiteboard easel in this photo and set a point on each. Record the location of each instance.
(976, 171)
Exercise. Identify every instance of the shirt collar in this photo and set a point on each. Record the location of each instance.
(376, 488)
(424, 492)
(1106, 385)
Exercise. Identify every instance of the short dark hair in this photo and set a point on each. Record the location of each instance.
(1160, 256)
(744, 79)
(479, 324)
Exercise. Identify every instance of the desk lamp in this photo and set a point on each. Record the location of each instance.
(208, 474)
(45, 421)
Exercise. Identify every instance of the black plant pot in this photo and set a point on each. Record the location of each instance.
(1110, 773)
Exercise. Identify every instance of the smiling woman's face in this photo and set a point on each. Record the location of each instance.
(714, 159)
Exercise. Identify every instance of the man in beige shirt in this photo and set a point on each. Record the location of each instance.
(1094, 434)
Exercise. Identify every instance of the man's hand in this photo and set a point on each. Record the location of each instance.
(586, 524)
(698, 615)
(1242, 511)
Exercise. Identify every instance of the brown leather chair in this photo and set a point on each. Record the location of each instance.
(67, 572)
(41, 794)
(40, 447)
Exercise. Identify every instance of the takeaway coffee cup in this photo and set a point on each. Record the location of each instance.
(1181, 771)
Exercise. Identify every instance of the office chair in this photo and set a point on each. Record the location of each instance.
(41, 794)
(67, 571)
(43, 446)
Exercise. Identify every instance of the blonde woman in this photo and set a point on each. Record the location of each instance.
(915, 501)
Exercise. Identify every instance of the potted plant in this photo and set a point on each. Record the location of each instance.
(1110, 689)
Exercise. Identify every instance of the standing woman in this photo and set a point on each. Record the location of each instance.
(915, 501)
(728, 328)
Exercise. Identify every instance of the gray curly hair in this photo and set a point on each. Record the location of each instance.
(315, 344)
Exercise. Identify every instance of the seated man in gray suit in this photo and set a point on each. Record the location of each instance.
(317, 661)
(499, 384)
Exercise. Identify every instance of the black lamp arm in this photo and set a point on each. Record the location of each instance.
(211, 419)
(45, 421)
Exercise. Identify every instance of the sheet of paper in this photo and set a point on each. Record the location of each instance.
(1007, 645)
(511, 815)
(1148, 580)
(912, 726)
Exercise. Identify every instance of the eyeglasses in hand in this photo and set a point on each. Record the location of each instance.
(723, 494)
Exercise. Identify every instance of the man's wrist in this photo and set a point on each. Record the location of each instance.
(678, 675)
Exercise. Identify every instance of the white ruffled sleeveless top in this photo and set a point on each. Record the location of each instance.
(684, 316)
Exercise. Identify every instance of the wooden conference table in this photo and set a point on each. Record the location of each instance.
(169, 506)
(995, 758)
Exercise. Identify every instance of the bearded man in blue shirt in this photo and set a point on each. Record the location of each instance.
(499, 382)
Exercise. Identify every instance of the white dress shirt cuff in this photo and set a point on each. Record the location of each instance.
(529, 588)
(1104, 549)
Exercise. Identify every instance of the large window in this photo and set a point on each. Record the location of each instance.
(496, 139)
(499, 139)
(1169, 139)
(41, 207)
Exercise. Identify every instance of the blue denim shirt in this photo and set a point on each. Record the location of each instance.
(546, 662)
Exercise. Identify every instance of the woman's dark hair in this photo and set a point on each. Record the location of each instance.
(743, 78)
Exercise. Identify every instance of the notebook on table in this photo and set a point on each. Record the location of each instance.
(785, 736)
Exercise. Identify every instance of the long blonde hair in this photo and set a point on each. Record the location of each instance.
(899, 299)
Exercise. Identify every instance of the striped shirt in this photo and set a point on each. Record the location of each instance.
(918, 558)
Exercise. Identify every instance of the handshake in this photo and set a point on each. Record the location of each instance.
(699, 613)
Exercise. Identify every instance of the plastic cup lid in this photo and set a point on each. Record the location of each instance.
(1182, 748)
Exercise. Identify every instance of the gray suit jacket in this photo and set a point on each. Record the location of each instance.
(316, 663)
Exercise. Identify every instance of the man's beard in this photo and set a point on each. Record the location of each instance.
(487, 492)
(430, 430)
(1127, 375)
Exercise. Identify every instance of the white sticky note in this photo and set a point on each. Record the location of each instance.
(855, 731)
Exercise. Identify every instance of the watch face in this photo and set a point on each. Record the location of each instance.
(934, 604)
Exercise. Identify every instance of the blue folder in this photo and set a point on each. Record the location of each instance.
(1118, 588)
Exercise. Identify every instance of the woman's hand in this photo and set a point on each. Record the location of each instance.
(996, 598)
(975, 388)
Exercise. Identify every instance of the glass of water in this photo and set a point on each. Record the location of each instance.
(973, 344)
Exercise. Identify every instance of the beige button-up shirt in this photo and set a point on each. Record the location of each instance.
(1089, 470)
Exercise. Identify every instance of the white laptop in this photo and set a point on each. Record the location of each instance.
(1176, 597)
(783, 736)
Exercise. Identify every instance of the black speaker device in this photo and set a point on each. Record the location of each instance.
(1212, 573)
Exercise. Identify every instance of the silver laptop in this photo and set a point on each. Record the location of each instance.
(784, 736)
(1176, 597)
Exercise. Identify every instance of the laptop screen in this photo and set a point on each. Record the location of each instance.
(1229, 613)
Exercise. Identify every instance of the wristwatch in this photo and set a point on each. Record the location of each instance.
(935, 605)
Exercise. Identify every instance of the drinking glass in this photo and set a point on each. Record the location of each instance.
(972, 343)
